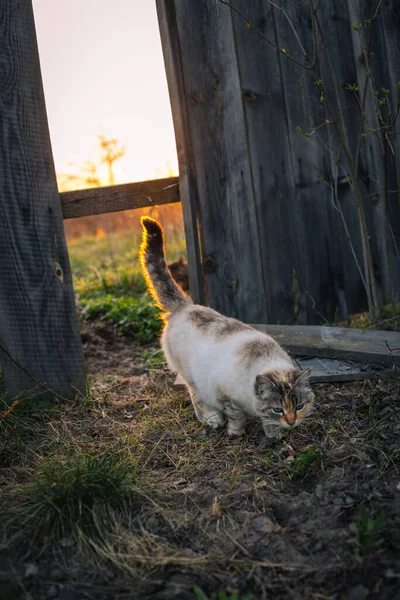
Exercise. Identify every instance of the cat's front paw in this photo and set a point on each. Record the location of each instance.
(234, 431)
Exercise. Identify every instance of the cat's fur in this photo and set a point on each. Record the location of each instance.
(229, 368)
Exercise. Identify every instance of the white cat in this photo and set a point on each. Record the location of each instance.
(229, 368)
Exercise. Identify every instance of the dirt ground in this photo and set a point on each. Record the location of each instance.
(315, 515)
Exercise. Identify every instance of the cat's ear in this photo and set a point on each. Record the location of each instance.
(301, 376)
(264, 384)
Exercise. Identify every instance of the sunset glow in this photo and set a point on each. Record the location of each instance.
(103, 73)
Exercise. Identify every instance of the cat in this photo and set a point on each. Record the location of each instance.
(230, 368)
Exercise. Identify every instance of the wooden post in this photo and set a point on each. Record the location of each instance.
(38, 326)
(215, 177)
(187, 176)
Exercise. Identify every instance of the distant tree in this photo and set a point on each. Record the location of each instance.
(111, 150)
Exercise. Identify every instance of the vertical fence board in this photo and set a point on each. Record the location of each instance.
(246, 101)
(187, 178)
(229, 238)
(38, 326)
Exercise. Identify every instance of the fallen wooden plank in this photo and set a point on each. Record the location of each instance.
(363, 345)
(327, 370)
(331, 370)
(97, 201)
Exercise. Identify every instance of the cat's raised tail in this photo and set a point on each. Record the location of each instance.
(160, 283)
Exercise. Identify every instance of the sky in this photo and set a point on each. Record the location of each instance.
(103, 73)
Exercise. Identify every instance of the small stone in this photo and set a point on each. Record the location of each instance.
(348, 501)
(390, 574)
(398, 487)
(31, 569)
(358, 592)
(264, 525)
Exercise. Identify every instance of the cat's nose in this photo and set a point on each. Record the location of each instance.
(291, 420)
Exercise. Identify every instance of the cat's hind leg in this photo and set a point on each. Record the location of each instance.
(205, 413)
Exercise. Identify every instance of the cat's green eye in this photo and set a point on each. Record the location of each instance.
(299, 406)
(278, 410)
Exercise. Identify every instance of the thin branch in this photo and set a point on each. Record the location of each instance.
(329, 121)
(283, 11)
(40, 383)
(394, 239)
(338, 207)
(384, 321)
(314, 31)
(380, 193)
(377, 10)
(267, 40)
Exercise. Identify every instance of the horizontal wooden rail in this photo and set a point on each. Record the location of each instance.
(100, 200)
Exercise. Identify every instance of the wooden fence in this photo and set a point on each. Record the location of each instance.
(270, 201)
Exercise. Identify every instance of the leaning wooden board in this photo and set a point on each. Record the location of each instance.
(364, 345)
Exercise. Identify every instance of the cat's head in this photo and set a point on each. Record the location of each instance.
(283, 397)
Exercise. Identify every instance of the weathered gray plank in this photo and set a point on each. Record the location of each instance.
(140, 194)
(168, 26)
(214, 144)
(328, 370)
(337, 342)
(38, 326)
(273, 238)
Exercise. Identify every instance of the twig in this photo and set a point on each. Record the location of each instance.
(314, 30)
(394, 366)
(40, 383)
(377, 10)
(384, 321)
(338, 207)
(260, 33)
(380, 193)
(282, 10)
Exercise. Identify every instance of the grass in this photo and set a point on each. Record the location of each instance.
(388, 318)
(153, 358)
(306, 462)
(130, 482)
(367, 530)
(109, 285)
(135, 317)
(73, 495)
(201, 595)
(21, 424)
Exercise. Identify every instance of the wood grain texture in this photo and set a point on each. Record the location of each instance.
(38, 325)
(97, 201)
(337, 342)
(323, 372)
(214, 146)
(273, 241)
